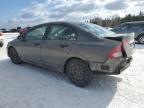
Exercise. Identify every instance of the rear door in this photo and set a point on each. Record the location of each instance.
(30, 48)
(59, 42)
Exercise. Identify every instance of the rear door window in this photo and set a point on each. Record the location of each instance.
(60, 32)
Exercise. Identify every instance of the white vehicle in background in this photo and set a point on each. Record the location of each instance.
(1, 39)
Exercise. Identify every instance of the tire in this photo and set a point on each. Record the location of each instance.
(78, 72)
(14, 56)
(141, 39)
(1, 44)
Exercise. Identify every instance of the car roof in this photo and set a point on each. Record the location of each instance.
(62, 22)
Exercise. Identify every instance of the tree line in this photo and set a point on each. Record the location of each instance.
(116, 20)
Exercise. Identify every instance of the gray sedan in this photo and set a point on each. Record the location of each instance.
(77, 49)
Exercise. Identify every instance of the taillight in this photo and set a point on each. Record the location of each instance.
(115, 52)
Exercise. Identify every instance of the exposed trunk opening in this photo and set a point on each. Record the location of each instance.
(127, 43)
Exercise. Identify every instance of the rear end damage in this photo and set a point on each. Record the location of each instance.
(120, 56)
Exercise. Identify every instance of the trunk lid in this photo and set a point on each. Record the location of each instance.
(127, 41)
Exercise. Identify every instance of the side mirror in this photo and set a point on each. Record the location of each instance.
(21, 37)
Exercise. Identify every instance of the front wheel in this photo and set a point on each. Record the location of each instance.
(78, 72)
(14, 56)
(141, 39)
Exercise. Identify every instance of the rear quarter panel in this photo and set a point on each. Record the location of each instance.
(92, 51)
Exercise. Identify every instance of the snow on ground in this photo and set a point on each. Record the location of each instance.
(27, 86)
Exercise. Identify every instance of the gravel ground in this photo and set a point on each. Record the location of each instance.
(27, 86)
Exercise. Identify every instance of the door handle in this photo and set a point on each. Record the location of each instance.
(36, 44)
(64, 45)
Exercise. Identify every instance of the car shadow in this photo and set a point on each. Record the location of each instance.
(99, 93)
(105, 86)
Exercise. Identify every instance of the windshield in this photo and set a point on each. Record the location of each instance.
(96, 30)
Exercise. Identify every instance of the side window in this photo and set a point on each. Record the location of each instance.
(134, 27)
(36, 34)
(58, 32)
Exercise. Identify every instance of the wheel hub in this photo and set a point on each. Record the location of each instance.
(77, 71)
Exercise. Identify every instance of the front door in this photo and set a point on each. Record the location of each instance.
(31, 46)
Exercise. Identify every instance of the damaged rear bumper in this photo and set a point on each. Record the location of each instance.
(123, 66)
(115, 66)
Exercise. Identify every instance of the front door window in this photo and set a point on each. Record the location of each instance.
(36, 34)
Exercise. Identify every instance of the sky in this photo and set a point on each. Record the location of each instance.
(30, 12)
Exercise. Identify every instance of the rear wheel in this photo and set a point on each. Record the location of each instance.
(14, 56)
(78, 72)
(141, 39)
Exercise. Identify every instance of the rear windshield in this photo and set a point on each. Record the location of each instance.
(96, 30)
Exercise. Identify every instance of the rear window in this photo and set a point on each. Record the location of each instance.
(96, 30)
